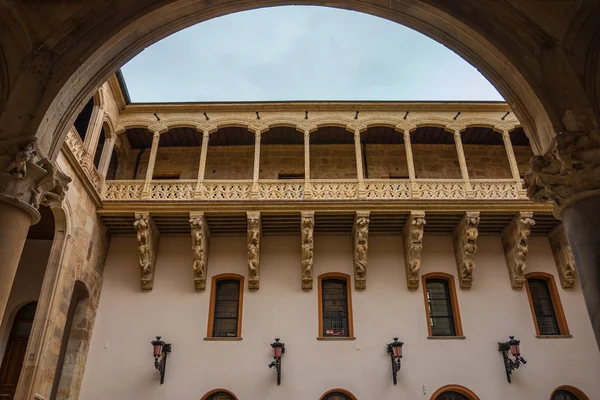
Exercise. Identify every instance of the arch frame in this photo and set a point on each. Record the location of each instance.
(338, 390)
(569, 388)
(218, 390)
(455, 388)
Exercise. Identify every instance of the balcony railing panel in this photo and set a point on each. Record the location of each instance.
(225, 190)
(75, 146)
(442, 189)
(495, 189)
(383, 189)
(281, 190)
(176, 189)
(334, 190)
(123, 190)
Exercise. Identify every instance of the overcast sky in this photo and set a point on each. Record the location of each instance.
(301, 53)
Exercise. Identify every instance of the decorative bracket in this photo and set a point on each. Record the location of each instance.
(514, 241)
(563, 256)
(412, 236)
(464, 239)
(307, 231)
(360, 246)
(200, 247)
(148, 237)
(254, 233)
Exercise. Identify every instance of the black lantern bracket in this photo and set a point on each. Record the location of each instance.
(395, 351)
(510, 364)
(160, 359)
(278, 351)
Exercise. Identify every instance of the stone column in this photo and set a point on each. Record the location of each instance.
(151, 162)
(307, 185)
(414, 189)
(256, 171)
(514, 169)
(92, 134)
(202, 167)
(569, 176)
(359, 165)
(107, 151)
(462, 161)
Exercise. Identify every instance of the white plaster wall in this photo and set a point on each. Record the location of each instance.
(120, 366)
(27, 284)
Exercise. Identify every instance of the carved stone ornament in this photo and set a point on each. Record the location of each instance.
(307, 232)
(254, 232)
(27, 184)
(464, 239)
(567, 172)
(563, 256)
(412, 236)
(200, 247)
(148, 237)
(360, 246)
(514, 241)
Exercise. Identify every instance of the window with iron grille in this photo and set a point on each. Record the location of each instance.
(227, 306)
(220, 396)
(337, 396)
(441, 317)
(545, 314)
(335, 308)
(564, 395)
(451, 395)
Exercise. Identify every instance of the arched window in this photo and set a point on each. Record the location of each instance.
(454, 392)
(219, 394)
(225, 316)
(568, 393)
(14, 355)
(338, 394)
(548, 316)
(335, 306)
(441, 305)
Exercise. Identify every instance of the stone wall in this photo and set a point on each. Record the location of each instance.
(336, 161)
(229, 162)
(487, 161)
(436, 161)
(281, 159)
(523, 155)
(385, 161)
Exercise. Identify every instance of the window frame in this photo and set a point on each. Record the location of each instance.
(458, 330)
(468, 393)
(213, 299)
(559, 313)
(218, 390)
(338, 390)
(572, 389)
(346, 278)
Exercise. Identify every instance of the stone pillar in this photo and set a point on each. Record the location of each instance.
(412, 176)
(256, 171)
(462, 161)
(107, 151)
(359, 165)
(307, 185)
(151, 162)
(514, 169)
(92, 134)
(202, 166)
(569, 176)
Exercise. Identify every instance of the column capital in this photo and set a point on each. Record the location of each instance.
(306, 133)
(505, 134)
(568, 172)
(457, 135)
(26, 183)
(206, 134)
(357, 134)
(155, 135)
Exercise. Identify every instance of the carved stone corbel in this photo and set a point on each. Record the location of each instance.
(307, 231)
(514, 241)
(412, 237)
(464, 239)
(200, 247)
(563, 256)
(148, 237)
(254, 233)
(360, 246)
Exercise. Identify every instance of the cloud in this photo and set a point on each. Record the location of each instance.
(301, 53)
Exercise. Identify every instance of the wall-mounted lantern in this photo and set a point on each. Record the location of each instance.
(511, 364)
(395, 351)
(161, 350)
(278, 350)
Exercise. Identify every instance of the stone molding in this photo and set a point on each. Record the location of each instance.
(254, 234)
(307, 232)
(563, 256)
(464, 239)
(412, 237)
(568, 172)
(28, 183)
(200, 248)
(514, 242)
(148, 237)
(360, 247)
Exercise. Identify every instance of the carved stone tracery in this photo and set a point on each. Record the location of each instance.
(412, 236)
(360, 244)
(148, 237)
(200, 248)
(563, 256)
(254, 232)
(514, 241)
(464, 238)
(307, 232)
